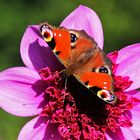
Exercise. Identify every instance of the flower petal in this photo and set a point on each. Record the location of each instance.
(114, 136)
(128, 134)
(33, 130)
(21, 91)
(34, 50)
(134, 93)
(39, 129)
(127, 52)
(108, 137)
(130, 67)
(135, 113)
(83, 18)
(121, 134)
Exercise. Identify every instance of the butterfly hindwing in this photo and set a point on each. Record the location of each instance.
(94, 72)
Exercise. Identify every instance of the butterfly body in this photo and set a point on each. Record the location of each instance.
(82, 58)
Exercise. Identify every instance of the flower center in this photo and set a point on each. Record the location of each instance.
(81, 115)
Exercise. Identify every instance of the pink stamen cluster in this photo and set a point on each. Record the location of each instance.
(79, 123)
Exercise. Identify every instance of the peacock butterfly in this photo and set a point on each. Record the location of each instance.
(82, 58)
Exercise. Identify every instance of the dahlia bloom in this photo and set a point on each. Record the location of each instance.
(34, 90)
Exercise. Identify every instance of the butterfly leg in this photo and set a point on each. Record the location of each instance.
(66, 80)
(64, 77)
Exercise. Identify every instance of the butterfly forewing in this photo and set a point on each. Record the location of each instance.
(58, 40)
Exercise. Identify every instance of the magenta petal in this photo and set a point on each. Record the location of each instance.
(121, 134)
(130, 67)
(127, 52)
(83, 18)
(21, 91)
(114, 136)
(128, 134)
(134, 93)
(39, 129)
(34, 50)
(34, 130)
(135, 113)
(108, 137)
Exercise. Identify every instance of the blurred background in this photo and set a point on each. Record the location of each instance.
(120, 20)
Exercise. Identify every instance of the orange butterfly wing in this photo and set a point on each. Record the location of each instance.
(79, 53)
(94, 68)
(58, 40)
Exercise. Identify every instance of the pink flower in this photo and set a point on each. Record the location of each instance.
(34, 91)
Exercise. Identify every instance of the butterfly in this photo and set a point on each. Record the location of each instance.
(82, 58)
